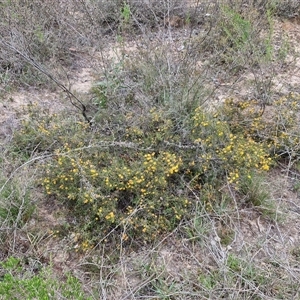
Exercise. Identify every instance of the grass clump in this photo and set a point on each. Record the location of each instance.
(16, 283)
(16, 207)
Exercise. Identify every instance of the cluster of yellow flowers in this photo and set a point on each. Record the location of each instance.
(42, 127)
(242, 155)
(235, 154)
(143, 180)
(145, 176)
(69, 180)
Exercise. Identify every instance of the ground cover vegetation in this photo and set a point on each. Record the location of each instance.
(147, 159)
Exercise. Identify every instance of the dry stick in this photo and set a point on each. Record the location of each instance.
(78, 103)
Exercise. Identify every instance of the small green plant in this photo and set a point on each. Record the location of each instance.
(243, 272)
(16, 283)
(209, 281)
(125, 17)
(237, 30)
(125, 12)
(253, 190)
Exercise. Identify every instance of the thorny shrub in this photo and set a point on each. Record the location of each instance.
(143, 181)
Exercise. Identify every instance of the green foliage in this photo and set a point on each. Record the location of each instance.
(238, 272)
(10, 264)
(140, 186)
(276, 126)
(253, 190)
(138, 183)
(131, 190)
(17, 284)
(244, 272)
(125, 12)
(226, 148)
(237, 29)
(107, 89)
(243, 37)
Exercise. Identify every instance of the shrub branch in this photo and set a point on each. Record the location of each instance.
(75, 101)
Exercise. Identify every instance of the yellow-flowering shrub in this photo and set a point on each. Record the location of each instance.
(131, 190)
(276, 125)
(42, 131)
(143, 179)
(223, 153)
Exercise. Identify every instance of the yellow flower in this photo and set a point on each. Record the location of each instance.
(110, 216)
(265, 167)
